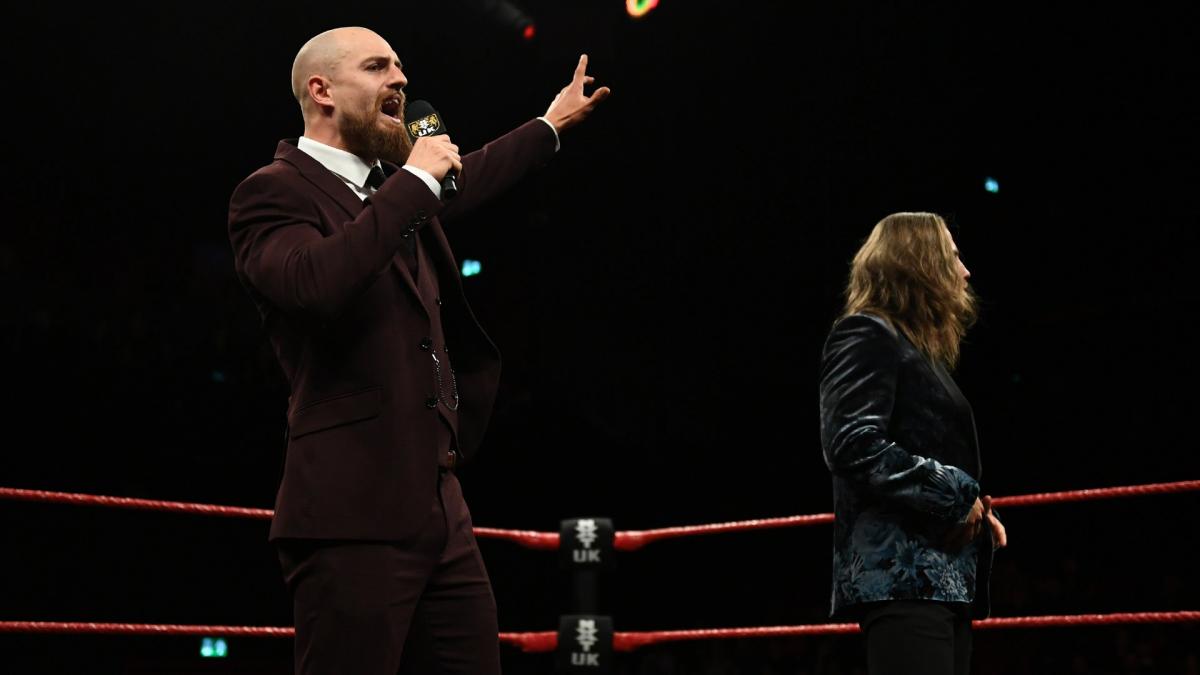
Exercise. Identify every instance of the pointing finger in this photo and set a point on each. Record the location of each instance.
(580, 70)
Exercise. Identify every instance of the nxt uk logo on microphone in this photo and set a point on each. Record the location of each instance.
(586, 542)
(585, 644)
(426, 126)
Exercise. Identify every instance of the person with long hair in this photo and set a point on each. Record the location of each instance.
(913, 535)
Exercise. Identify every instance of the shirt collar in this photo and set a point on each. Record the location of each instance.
(347, 165)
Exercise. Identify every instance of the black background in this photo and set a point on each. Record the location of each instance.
(660, 294)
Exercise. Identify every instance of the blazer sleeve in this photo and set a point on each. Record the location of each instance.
(498, 165)
(282, 250)
(859, 370)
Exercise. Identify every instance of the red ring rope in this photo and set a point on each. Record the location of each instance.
(132, 503)
(76, 627)
(633, 540)
(623, 541)
(545, 641)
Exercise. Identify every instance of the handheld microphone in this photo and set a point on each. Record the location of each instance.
(422, 120)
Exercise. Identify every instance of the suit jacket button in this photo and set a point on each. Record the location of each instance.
(426, 343)
(431, 403)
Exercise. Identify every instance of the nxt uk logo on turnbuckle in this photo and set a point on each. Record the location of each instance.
(585, 532)
(586, 542)
(585, 637)
(585, 644)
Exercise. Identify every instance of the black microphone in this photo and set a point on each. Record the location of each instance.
(422, 120)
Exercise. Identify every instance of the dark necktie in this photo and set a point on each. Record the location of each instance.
(375, 178)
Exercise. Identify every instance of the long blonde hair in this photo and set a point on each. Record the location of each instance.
(907, 273)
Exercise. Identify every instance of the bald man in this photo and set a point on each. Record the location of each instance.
(339, 243)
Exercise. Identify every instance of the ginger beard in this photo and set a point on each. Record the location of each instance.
(374, 134)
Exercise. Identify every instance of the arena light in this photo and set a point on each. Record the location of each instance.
(639, 8)
(507, 16)
(991, 185)
(213, 648)
(471, 267)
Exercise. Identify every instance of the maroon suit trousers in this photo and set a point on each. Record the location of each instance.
(423, 605)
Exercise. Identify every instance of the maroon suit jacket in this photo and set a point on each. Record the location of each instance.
(347, 324)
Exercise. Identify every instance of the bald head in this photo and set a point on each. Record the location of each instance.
(322, 55)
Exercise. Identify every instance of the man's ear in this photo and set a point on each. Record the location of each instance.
(319, 90)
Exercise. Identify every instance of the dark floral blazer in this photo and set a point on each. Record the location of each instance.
(899, 439)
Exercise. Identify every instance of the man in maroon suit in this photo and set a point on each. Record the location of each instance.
(339, 242)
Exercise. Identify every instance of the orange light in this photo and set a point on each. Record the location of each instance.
(639, 8)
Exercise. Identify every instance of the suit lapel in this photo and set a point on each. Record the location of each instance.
(949, 383)
(337, 190)
(969, 414)
(324, 179)
(398, 260)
